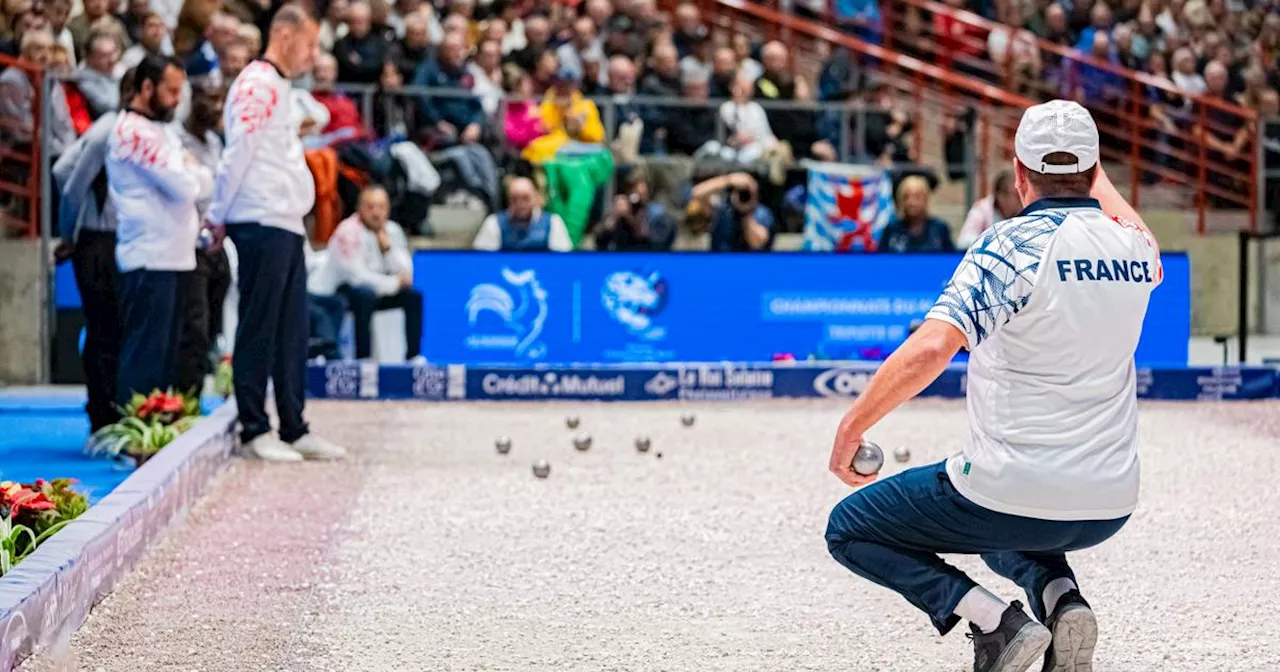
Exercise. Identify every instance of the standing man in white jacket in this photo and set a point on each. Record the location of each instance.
(369, 264)
(262, 190)
(154, 185)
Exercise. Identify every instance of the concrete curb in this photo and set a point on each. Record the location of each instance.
(49, 595)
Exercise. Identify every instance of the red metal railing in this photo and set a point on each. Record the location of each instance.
(1168, 150)
(20, 155)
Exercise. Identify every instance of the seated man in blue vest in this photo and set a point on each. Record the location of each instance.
(524, 226)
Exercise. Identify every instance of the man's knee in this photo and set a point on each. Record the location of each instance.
(845, 524)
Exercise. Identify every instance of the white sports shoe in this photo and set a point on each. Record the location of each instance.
(313, 447)
(268, 447)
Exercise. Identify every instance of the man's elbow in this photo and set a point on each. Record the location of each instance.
(937, 341)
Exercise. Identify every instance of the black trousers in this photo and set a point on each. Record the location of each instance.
(271, 340)
(364, 303)
(204, 291)
(98, 280)
(149, 322)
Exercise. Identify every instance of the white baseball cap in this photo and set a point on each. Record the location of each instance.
(1057, 126)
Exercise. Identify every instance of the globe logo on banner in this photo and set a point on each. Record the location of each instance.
(846, 207)
(509, 316)
(634, 300)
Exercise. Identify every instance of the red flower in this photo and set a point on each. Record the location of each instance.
(26, 499)
(171, 404)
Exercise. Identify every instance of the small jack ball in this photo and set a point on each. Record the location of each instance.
(541, 469)
(902, 454)
(868, 459)
(659, 455)
(643, 444)
(503, 444)
(572, 421)
(688, 419)
(582, 441)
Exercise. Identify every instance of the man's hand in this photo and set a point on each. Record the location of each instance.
(621, 206)
(384, 240)
(406, 279)
(447, 128)
(308, 127)
(217, 233)
(63, 251)
(848, 440)
(471, 134)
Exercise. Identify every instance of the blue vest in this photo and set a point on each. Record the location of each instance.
(533, 238)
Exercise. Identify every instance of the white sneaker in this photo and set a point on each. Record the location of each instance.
(313, 447)
(268, 447)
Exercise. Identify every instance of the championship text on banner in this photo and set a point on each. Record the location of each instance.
(521, 309)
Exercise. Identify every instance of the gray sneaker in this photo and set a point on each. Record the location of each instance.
(1012, 647)
(1075, 635)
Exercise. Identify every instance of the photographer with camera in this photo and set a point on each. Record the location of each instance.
(738, 222)
(636, 224)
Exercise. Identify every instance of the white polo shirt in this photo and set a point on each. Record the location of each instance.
(1052, 303)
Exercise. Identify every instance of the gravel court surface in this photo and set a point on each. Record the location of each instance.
(429, 551)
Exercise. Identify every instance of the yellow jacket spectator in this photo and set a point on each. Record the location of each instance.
(569, 117)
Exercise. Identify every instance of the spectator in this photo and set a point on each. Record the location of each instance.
(537, 37)
(510, 12)
(912, 228)
(152, 38)
(1056, 28)
(133, 18)
(724, 73)
(798, 127)
(594, 78)
(333, 26)
(636, 224)
(1097, 86)
(56, 12)
(746, 63)
(495, 29)
(524, 114)
(97, 80)
(689, 31)
(888, 127)
(698, 61)
(663, 80)
(545, 71)
(1124, 51)
(1100, 23)
(584, 45)
(380, 18)
(524, 226)
(201, 133)
(1001, 204)
(94, 11)
(340, 121)
(739, 223)
(18, 96)
(1014, 51)
(154, 185)
(1184, 74)
(453, 119)
(630, 138)
(601, 12)
(465, 10)
(747, 126)
(1255, 84)
(390, 117)
(486, 72)
(456, 23)
(570, 120)
(235, 58)
(222, 32)
(361, 52)
(369, 264)
(692, 125)
(415, 48)
(251, 37)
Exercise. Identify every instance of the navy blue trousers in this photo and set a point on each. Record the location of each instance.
(892, 531)
(364, 303)
(149, 331)
(271, 339)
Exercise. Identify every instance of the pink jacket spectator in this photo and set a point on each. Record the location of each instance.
(524, 123)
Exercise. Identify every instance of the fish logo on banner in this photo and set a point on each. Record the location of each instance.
(846, 207)
(513, 315)
(634, 300)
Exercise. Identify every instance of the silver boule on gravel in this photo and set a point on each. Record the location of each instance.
(582, 441)
(902, 454)
(688, 419)
(572, 421)
(541, 469)
(868, 459)
(503, 444)
(643, 444)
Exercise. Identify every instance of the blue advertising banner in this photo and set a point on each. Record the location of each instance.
(521, 309)
(705, 382)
